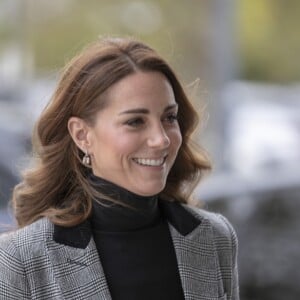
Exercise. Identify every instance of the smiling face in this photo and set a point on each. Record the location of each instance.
(135, 138)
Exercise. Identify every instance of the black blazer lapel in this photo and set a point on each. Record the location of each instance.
(77, 269)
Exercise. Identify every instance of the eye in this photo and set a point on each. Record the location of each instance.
(171, 118)
(136, 122)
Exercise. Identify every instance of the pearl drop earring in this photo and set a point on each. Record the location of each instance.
(86, 160)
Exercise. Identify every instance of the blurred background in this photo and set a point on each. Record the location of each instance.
(243, 57)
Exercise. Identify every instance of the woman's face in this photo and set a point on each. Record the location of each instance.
(136, 137)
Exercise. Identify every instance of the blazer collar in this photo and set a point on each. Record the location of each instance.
(197, 257)
(79, 236)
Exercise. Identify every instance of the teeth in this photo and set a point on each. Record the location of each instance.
(149, 162)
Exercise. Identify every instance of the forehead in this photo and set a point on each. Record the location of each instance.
(140, 89)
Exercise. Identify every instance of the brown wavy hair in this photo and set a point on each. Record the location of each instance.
(57, 186)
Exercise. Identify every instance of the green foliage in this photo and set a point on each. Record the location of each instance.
(266, 32)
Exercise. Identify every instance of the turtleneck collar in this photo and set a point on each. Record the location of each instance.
(137, 212)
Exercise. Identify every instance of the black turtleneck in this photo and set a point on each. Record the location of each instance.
(134, 245)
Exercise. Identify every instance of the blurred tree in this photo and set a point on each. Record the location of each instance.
(269, 39)
(266, 32)
(55, 30)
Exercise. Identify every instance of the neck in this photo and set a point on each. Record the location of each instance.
(128, 211)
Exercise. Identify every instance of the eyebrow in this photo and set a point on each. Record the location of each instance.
(145, 110)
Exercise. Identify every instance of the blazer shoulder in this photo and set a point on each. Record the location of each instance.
(222, 228)
(226, 245)
(26, 237)
(18, 249)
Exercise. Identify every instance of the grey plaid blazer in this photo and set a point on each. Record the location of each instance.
(39, 262)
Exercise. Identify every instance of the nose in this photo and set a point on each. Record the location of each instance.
(158, 138)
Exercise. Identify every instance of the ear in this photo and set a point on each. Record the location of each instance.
(79, 130)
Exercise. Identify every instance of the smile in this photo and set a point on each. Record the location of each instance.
(150, 162)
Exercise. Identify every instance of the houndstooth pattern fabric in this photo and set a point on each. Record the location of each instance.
(207, 258)
(33, 266)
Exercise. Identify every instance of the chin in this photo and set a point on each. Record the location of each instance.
(150, 191)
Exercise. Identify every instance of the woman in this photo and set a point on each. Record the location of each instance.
(103, 214)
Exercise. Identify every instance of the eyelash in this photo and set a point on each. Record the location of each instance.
(136, 122)
(172, 118)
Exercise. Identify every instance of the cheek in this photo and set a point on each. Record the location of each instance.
(176, 139)
(125, 145)
(117, 143)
